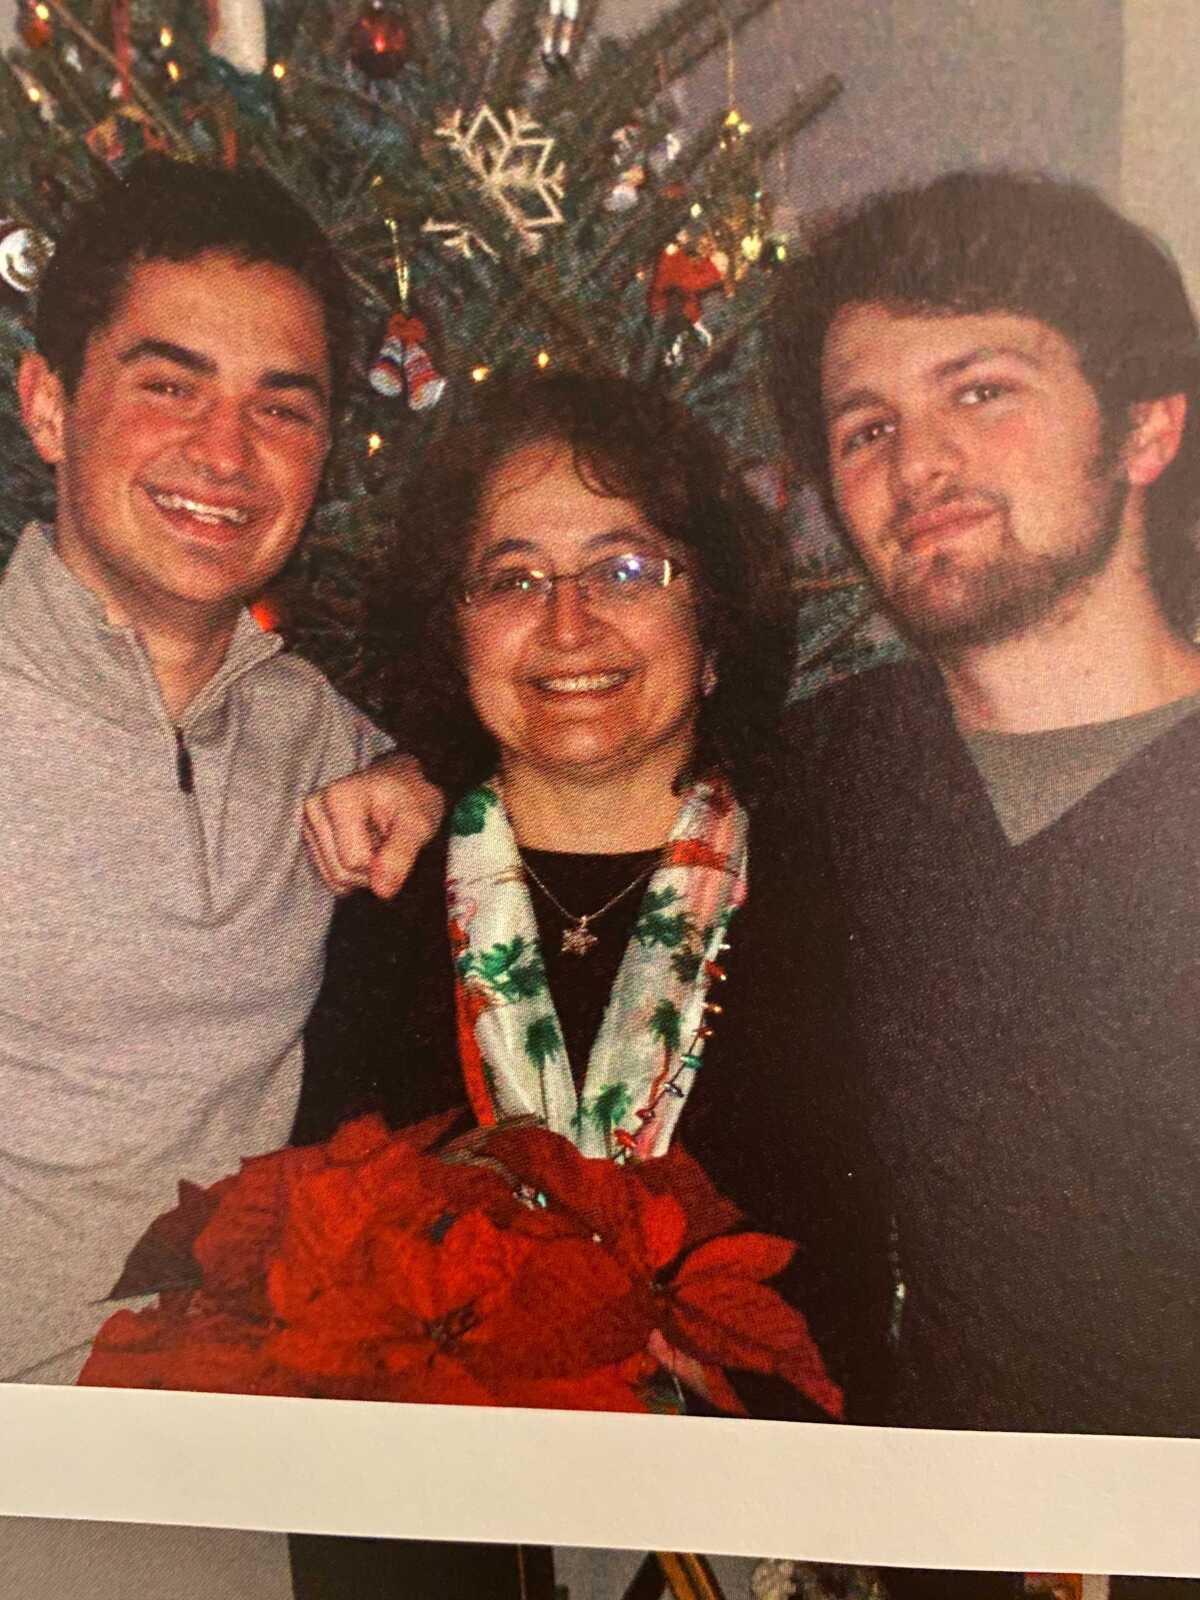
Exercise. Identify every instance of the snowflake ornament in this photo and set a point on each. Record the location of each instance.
(511, 163)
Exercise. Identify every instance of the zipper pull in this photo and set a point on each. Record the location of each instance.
(183, 764)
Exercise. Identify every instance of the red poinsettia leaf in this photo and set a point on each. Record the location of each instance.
(707, 1381)
(738, 1255)
(357, 1139)
(206, 1351)
(720, 1392)
(162, 1258)
(620, 1386)
(550, 1165)
(805, 1371)
(242, 1234)
(706, 1209)
(736, 1322)
(522, 1342)
(440, 1382)
(592, 1197)
(654, 1233)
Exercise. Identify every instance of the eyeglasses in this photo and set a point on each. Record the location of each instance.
(613, 580)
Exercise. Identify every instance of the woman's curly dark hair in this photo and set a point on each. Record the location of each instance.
(627, 440)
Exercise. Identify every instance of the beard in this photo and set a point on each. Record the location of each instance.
(944, 605)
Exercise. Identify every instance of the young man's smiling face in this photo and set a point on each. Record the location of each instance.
(189, 455)
(968, 464)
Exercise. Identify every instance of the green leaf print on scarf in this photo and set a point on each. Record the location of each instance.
(656, 926)
(664, 1025)
(686, 965)
(543, 1041)
(607, 1109)
(470, 814)
(504, 972)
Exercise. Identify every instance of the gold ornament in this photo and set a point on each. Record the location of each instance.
(511, 164)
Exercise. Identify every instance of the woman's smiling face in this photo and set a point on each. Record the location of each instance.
(582, 687)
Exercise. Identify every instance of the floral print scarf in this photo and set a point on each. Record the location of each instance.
(651, 1040)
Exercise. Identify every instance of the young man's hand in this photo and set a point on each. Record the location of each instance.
(366, 830)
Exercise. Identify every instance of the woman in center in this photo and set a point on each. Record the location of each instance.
(620, 930)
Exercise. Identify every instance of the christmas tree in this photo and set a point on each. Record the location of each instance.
(503, 194)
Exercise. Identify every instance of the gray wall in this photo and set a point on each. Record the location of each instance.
(930, 85)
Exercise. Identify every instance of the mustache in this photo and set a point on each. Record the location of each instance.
(953, 499)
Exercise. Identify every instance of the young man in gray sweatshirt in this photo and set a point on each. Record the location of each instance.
(161, 924)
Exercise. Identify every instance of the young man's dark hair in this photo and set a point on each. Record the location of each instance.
(165, 210)
(974, 242)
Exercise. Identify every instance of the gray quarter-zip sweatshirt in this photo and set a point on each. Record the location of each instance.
(161, 936)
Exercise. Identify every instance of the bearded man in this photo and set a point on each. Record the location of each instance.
(994, 380)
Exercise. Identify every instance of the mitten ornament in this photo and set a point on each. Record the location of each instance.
(403, 365)
(558, 35)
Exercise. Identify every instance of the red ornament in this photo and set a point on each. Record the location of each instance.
(36, 28)
(379, 41)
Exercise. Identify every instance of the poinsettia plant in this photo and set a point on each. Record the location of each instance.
(502, 1268)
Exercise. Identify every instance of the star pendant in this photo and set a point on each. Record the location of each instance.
(579, 940)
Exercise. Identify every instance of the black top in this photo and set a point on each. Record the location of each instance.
(581, 984)
(773, 1117)
(1027, 1015)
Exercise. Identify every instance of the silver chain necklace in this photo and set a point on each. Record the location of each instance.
(578, 939)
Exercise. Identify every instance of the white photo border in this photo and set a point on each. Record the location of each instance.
(877, 1496)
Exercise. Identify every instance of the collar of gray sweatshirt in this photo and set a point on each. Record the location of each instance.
(54, 632)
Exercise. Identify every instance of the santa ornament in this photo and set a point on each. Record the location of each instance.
(680, 278)
(403, 365)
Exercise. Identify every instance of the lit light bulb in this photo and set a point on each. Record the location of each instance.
(478, 374)
(166, 38)
(374, 443)
(173, 71)
(732, 118)
(697, 209)
(543, 359)
(279, 70)
(42, 12)
(752, 246)
(34, 93)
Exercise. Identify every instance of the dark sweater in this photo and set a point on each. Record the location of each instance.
(1028, 1020)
